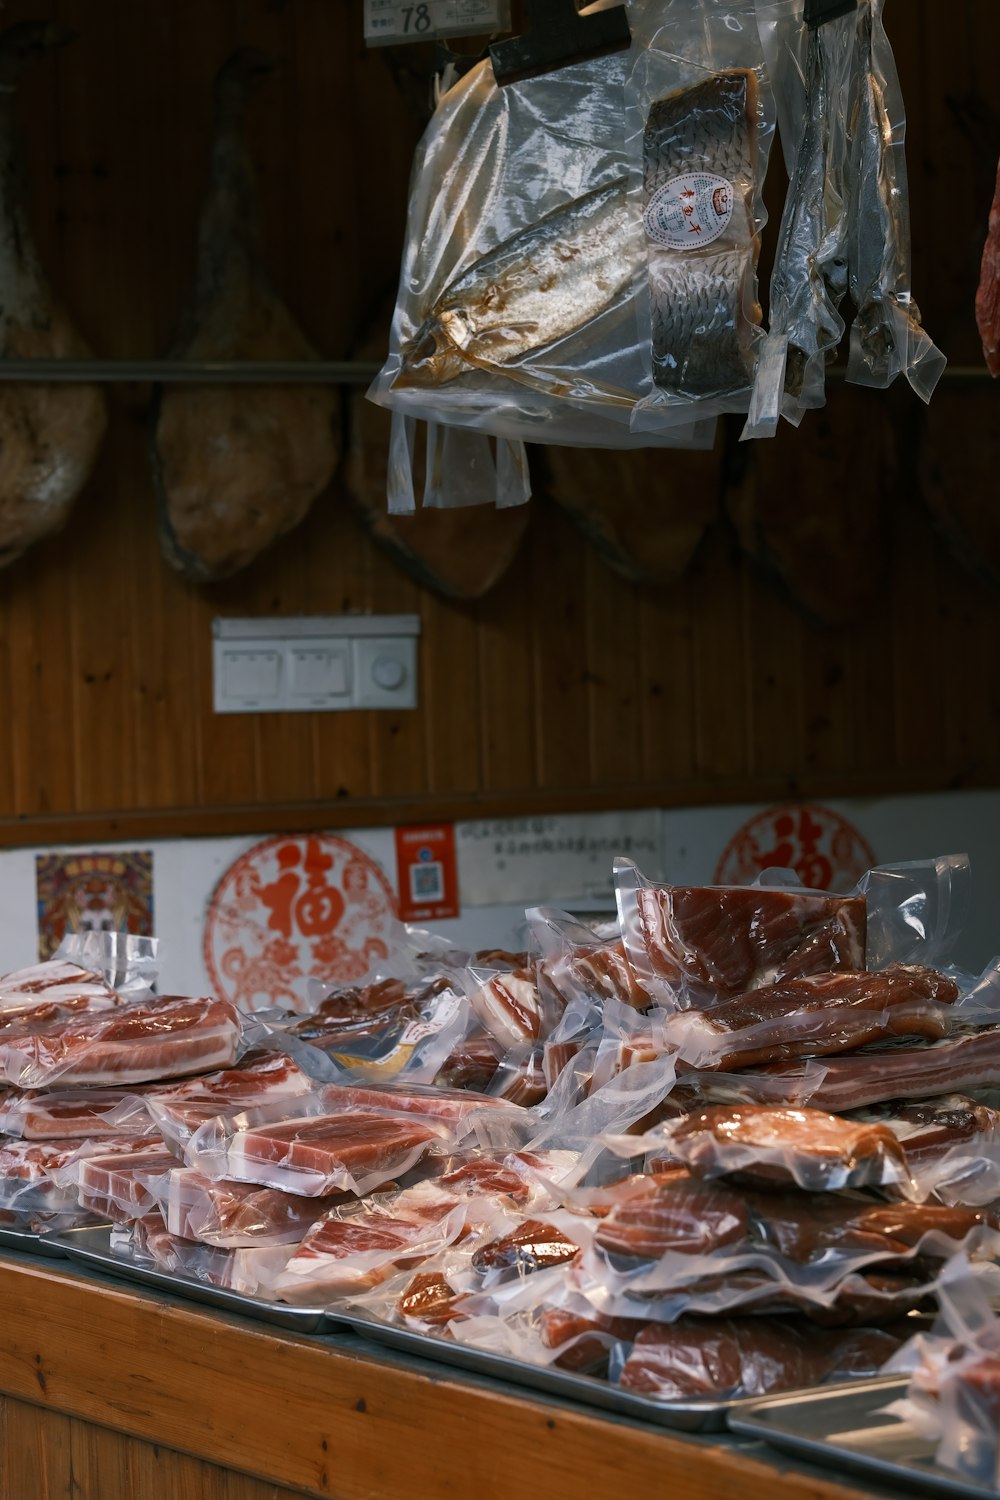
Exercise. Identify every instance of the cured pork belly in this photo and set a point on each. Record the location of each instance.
(806, 1147)
(326, 1153)
(471, 1063)
(929, 1129)
(968, 1060)
(709, 943)
(433, 1103)
(238, 1214)
(263, 1079)
(712, 1358)
(83, 1114)
(988, 292)
(588, 1335)
(119, 1186)
(602, 972)
(815, 1016)
(510, 1007)
(428, 1301)
(50, 991)
(167, 1038)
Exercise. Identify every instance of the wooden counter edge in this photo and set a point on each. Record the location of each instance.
(321, 1418)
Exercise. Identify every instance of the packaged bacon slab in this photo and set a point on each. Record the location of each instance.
(236, 1215)
(83, 1114)
(167, 1038)
(263, 1078)
(699, 945)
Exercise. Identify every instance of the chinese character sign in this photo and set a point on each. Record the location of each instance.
(826, 852)
(292, 910)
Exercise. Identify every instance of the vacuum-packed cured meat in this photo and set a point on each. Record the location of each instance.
(263, 1079)
(931, 1128)
(433, 1103)
(316, 1154)
(83, 1114)
(236, 466)
(510, 1008)
(133, 1044)
(601, 972)
(429, 1300)
(680, 1214)
(52, 433)
(966, 1061)
(804, 1147)
(120, 1186)
(988, 293)
(735, 1357)
(237, 1214)
(49, 991)
(588, 1337)
(709, 943)
(815, 1016)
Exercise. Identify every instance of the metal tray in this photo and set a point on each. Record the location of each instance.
(686, 1416)
(92, 1246)
(31, 1243)
(842, 1425)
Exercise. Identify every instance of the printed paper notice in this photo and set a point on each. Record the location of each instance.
(527, 861)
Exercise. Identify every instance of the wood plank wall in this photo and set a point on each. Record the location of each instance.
(566, 686)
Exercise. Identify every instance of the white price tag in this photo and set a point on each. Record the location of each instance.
(409, 21)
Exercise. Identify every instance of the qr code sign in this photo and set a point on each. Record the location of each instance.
(427, 881)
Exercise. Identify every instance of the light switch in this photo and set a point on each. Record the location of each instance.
(251, 674)
(318, 672)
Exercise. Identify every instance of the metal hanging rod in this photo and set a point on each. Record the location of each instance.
(193, 372)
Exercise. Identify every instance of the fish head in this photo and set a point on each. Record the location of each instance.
(431, 356)
(25, 42)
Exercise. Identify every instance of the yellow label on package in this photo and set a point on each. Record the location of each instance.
(391, 21)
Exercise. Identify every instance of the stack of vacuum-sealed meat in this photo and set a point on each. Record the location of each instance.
(722, 1149)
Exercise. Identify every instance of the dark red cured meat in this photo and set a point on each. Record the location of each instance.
(83, 1114)
(678, 1214)
(433, 1103)
(592, 1333)
(929, 1128)
(509, 1006)
(430, 1299)
(988, 293)
(967, 1061)
(602, 972)
(719, 941)
(817, 1016)
(765, 1144)
(487, 1176)
(531, 1246)
(471, 1063)
(732, 1357)
(239, 1213)
(168, 1038)
(521, 1078)
(117, 1186)
(262, 1078)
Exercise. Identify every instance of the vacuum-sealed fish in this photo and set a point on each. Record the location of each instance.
(701, 122)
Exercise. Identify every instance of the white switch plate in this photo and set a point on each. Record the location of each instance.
(309, 663)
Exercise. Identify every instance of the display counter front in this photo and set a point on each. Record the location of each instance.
(112, 1392)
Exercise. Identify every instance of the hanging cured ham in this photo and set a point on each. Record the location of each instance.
(237, 466)
(812, 517)
(458, 551)
(988, 294)
(51, 434)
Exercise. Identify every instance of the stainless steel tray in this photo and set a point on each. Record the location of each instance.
(843, 1425)
(686, 1416)
(92, 1246)
(31, 1243)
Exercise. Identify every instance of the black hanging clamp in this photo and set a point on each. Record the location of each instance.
(818, 12)
(559, 35)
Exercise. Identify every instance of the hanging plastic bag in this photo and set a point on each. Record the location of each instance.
(700, 124)
(461, 468)
(523, 260)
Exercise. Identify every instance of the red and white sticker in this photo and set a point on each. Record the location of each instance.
(690, 211)
(292, 910)
(826, 852)
(427, 872)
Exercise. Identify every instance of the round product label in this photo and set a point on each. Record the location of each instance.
(690, 210)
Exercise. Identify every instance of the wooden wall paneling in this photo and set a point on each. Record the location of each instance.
(665, 624)
(397, 739)
(101, 1462)
(722, 721)
(35, 1461)
(507, 704)
(919, 666)
(969, 699)
(612, 656)
(826, 702)
(448, 694)
(558, 570)
(776, 683)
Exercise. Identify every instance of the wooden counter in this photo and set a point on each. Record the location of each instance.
(117, 1393)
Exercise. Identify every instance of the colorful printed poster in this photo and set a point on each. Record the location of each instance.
(294, 911)
(93, 892)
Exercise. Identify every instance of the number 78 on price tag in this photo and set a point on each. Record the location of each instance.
(391, 21)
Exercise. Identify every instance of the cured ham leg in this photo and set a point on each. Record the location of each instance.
(50, 435)
(988, 293)
(237, 466)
